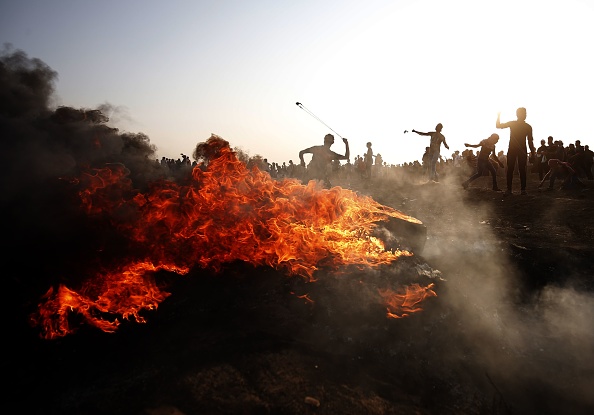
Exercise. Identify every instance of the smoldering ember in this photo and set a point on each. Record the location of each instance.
(135, 287)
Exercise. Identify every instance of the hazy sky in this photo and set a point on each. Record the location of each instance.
(181, 70)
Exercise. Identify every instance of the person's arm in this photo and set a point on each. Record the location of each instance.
(546, 176)
(494, 156)
(302, 152)
(569, 168)
(420, 133)
(471, 145)
(499, 124)
(445, 144)
(531, 141)
(347, 153)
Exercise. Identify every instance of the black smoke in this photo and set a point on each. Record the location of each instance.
(45, 148)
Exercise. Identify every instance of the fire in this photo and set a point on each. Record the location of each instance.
(122, 292)
(402, 304)
(225, 213)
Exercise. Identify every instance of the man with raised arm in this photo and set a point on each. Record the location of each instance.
(519, 132)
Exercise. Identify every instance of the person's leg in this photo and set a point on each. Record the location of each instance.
(541, 170)
(433, 168)
(522, 163)
(481, 168)
(493, 172)
(472, 178)
(552, 178)
(511, 165)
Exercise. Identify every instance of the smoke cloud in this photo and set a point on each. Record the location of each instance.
(516, 319)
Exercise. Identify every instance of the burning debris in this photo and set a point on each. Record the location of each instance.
(226, 213)
(88, 192)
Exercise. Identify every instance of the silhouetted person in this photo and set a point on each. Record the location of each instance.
(483, 163)
(520, 132)
(561, 170)
(588, 162)
(569, 151)
(368, 161)
(291, 169)
(560, 151)
(426, 161)
(541, 159)
(322, 158)
(379, 163)
(437, 138)
(578, 162)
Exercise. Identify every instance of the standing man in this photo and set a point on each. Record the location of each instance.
(519, 132)
(322, 157)
(368, 161)
(541, 153)
(434, 148)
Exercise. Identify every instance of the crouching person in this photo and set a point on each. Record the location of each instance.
(561, 170)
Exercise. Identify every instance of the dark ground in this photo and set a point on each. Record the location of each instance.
(510, 331)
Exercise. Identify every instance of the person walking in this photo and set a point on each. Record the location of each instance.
(437, 138)
(520, 132)
(322, 157)
(483, 163)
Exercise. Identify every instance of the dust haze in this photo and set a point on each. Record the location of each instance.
(533, 347)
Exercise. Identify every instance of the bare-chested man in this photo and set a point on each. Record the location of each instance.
(322, 158)
(437, 138)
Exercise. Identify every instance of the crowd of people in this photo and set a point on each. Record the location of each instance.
(552, 161)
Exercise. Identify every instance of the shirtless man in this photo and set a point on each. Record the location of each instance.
(437, 138)
(322, 158)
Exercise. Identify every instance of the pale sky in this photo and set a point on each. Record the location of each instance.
(181, 70)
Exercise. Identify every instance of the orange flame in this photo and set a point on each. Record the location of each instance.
(227, 213)
(123, 292)
(402, 304)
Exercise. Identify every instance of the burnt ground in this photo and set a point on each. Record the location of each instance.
(510, 331)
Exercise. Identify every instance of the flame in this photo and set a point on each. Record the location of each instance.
(125, 292)
(226, 213)
(402, 304)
